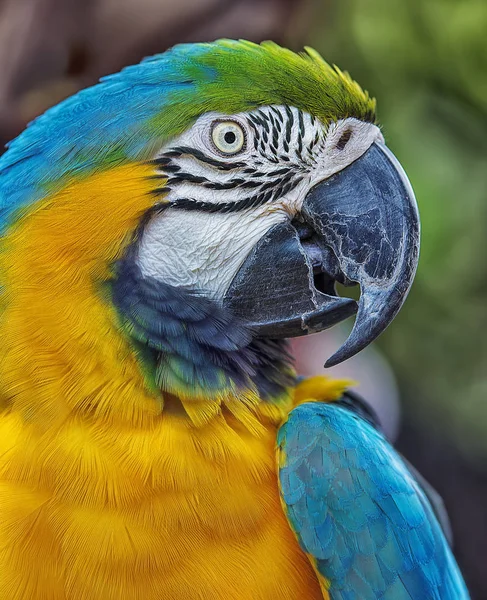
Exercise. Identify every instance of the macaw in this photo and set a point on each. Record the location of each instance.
(163, 233)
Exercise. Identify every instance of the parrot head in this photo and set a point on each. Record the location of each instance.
(267, 181)
(279, 190)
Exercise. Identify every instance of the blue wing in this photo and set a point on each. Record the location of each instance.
(358, 511)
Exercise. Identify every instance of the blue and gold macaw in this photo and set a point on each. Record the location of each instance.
(162, 234)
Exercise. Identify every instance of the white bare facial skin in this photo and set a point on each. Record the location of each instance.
(201, 251)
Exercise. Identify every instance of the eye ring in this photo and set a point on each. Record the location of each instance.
(228, 137)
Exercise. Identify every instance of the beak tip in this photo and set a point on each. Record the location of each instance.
(331, 362)
(340, 356)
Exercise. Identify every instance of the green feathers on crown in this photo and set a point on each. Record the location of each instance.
(128, 116)
(237, 76)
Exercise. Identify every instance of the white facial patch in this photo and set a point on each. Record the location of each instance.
(221, 204)
(201, 251)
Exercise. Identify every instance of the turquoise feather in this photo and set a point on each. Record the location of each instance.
(356, 508)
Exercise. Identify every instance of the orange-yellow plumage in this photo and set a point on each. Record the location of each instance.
(107, 490)
(103, 508)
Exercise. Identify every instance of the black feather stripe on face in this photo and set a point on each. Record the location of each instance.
(281, 136)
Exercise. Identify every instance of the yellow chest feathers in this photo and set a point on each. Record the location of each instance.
(170, 512)
(104, 494)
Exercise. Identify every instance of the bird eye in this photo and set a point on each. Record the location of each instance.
(228, 137)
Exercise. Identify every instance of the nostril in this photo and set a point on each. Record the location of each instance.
(344, 139)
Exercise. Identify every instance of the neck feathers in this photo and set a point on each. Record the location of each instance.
(194, 348)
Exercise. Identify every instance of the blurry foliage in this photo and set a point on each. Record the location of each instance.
(426, 62)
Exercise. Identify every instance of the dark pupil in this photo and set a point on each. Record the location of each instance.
(230, 137)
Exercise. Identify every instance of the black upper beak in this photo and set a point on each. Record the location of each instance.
(365, 229)
(368, 216)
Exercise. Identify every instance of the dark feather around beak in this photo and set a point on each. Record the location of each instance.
(359, 226)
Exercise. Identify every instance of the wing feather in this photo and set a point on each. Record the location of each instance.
(359, 512)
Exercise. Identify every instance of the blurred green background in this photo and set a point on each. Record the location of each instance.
(426, 62)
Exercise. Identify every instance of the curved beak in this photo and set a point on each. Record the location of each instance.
(364, 227)
(368, 216)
